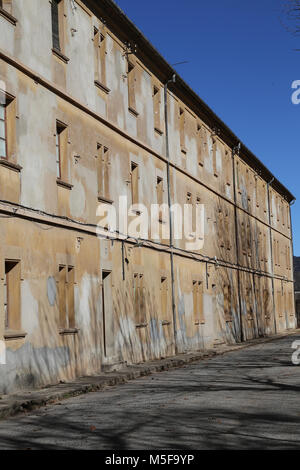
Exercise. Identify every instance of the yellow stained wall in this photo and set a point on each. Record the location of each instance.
(244, 268)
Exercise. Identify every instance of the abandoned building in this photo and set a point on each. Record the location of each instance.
(90, 111)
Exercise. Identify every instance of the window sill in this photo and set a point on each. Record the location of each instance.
(141, 325)
(68, 331)
(105, 200)
(14, 334)
(63, 184)
(102, 87)
(8, 164)
(183, 150)
(8, 16)
(158, 131)
(60, 55)
(133, 111)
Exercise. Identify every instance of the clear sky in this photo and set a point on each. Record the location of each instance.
(241, 62)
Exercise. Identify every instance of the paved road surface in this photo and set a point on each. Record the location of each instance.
(247, 399)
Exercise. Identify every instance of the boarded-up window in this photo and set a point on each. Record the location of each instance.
(7, 126)
(266, 297)
(3, 130)
(66, 281)
(182, 129)
(249, 239)
(249, 303)
(103, 165)
(139, 299)
(279, 303)
(61, 150)
(160, 190)
(134, 183)
(157, 92)
(278, 253)
(12, 295)
(227, 234)
(214, 156)
(243, 238)
(220, 224)
(200, 136)
(100, 51)
(164, 298)
(227, 303)
(198, 302)
(131, 79)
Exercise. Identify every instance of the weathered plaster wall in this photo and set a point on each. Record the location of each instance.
(239, 242)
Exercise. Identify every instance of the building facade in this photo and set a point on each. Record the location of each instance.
(83, 121)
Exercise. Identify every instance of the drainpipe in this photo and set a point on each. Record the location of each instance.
(271, 250)
(173, 79)
(293, 279)
(234, 151)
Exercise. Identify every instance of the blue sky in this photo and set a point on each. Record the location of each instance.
(242, 62)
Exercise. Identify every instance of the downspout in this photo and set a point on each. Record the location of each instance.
(237, 238)
(170, 212)
(293, 279)
(271, 252)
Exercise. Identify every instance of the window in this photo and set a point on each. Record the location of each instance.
(279, 303)
(249, 238)
(249, 304)
(256, 192)
(61, 149)
(6, 5)
(131, 79)
(3, 130)
(66, 281)
(107, 314)
(157, 108)
(227, 235)
(198, 302)
(159, 190)
(134, 183)
(100, 52)
(182, 129)
(164, 298)
(214, 156)
(266, 297)
(57, 23)
(220, 226)
(227, 303)
(12, 295)
(200, 135)
(103, 163)
(7, 126)
(139, 302)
